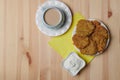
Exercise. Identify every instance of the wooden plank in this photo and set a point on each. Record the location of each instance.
(114, 49)
(98, 11)
(10, 59)
(23, 41)
(2, 31)
(33, 51)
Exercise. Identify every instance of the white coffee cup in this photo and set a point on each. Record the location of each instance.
(53, 18)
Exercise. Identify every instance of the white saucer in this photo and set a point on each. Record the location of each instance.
(51, 4)
(103, 25)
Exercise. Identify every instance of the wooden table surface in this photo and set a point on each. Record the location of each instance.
(26, 55)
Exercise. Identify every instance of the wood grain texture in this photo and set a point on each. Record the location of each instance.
(26, 55)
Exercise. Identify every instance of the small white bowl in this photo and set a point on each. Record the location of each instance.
(73, 63)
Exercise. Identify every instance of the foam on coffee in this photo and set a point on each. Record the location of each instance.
(52, 17)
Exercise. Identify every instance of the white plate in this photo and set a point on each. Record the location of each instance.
(51, 4)
(103, 25)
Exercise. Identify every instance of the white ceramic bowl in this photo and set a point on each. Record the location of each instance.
(73, 63)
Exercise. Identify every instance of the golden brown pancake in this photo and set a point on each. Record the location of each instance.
(101, 42)
(95, 22)
(90, 49)
(84, 28)
(101, 31)
(100, 36)
(80, 42)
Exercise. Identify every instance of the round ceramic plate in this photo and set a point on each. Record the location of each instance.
(103, 25)
(52, 4)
